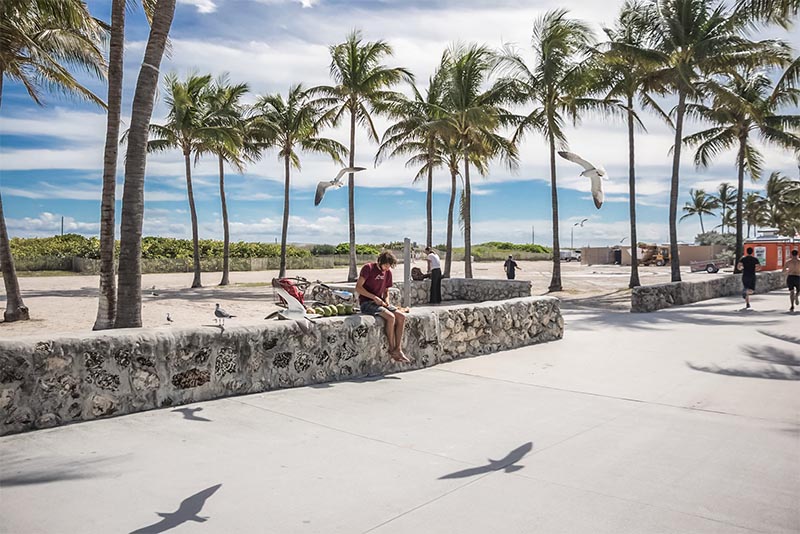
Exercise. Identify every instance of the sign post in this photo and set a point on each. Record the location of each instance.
(406, 272)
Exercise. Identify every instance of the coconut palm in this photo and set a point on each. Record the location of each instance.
(129, 292)
(414, 135)
(238, 145)
(557, 85)
(39, 41)
(295, 123)
(726, 199)
(782, 204)
(699, 39)
(700, 204)
(627, 61)
(745, 106)
(361, 89)
(775, 11)
(755, 212)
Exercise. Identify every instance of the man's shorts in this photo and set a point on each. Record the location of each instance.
(793, 282)
(370, 308)
(749, 283)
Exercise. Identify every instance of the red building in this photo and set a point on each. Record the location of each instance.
(772, 250)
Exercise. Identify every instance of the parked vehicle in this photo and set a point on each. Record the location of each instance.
(654, 255)
(709, 266)
(569, 255)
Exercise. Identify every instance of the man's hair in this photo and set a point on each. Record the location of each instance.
(387, 258)
(749, 250)
(428, 249)
(510, 256)
(794, 253)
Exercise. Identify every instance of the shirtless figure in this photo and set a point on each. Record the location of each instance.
(792, 270)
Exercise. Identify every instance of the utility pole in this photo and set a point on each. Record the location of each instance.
(62, 225)
(533, 235)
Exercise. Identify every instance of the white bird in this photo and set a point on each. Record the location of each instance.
(336, 182)
(595, 173)
(221, 315)
(295, 310)
(169, 319)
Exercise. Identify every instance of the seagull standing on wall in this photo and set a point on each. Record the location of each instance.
(221, 315)
(595, 173)
(336, 183)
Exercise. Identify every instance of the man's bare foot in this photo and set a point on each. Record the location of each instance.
(398, 356)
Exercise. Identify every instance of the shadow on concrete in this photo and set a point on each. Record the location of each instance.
(784, 364)
(782, 337)
(377, 378)
(506, 464)
(187, 511)
(189, 414)
(29, 471)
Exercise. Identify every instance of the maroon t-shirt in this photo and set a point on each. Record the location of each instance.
(375, 280)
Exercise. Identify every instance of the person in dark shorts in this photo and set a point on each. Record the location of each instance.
(748, 265)
(511, 266)
(792, 270)
(373, 293)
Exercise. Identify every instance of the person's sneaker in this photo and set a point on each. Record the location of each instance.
(747, 307)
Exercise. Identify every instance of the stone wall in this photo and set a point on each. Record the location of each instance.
(656, 297)
(48, 382)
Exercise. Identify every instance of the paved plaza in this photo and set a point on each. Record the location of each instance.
(686, 420)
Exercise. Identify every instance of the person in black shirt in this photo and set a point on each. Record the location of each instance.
(748, 265)
(511, 266)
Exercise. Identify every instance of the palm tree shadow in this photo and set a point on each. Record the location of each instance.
(506, 464)
(777, 358)
(189, 414)
(187, 511)
(782, 337)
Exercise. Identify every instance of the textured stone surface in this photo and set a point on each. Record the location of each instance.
(46, 383)
(659, 296)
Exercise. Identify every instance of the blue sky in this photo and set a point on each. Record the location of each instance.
(51, 157)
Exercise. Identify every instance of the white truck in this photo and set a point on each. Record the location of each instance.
(569, 255)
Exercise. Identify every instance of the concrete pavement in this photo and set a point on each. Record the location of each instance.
(686, 420)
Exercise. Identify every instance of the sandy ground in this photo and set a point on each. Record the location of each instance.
(68, 304)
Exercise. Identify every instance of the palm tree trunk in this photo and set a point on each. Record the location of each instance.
(634, 281)
(107, 301)
(226, 234)
(129, 294)
(555, 281)
(739, 203)
(702, 228)
(351, 200)
(674, 260)
(429, 205)
(467, 220)
(449, 259)
(187, 159)
(15, 308)
(285, 227)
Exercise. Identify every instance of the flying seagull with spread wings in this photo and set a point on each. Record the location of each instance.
(595, 173)
(295, 310)
(336, 182)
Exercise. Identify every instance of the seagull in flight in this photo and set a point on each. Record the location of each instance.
(295, 310)
(595, 173)
(221, 315)
(336, 182)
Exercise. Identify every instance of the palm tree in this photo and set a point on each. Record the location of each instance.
(627, 62)
(700, 204)
(698, 39)
(774, 11)
(190, 127)
(414, 134)
(726, 199)
(362, 84)
(39, 40)
(755, 213)
(745, 105)
(295, 123)
(237, 145)
(728, 220)
(556, 85)
(129, 292)
(472, 119)
(451, 155)
(782, 204)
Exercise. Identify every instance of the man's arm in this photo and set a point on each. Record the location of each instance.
(361, 290)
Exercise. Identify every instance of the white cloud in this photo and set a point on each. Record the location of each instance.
(203, 6)
(48, 224)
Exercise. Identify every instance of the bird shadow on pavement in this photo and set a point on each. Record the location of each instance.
(187, 511)
(783, 365)
(507, 464)
(189, 414)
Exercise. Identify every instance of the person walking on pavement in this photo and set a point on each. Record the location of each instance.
(510, 267)
(435, 270)
(748, 265)
(792, 270)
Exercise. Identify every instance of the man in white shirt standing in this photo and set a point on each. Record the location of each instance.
(435, 269)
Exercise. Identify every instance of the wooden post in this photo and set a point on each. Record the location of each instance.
(407, 272)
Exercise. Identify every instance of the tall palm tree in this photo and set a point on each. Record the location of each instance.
(727, 217)
(190, 127)
(741, 108)
(627, 61)
(414, 134)
(755, 212)
(451, 155)
(129, 291)
(39, 41)
(726, 199)
(699, 39)
(238, 145)
(774, 11)
(473, 118)
(361, 88)
(783, 204)
(557, 85)
(700, 204)
(295, 123)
